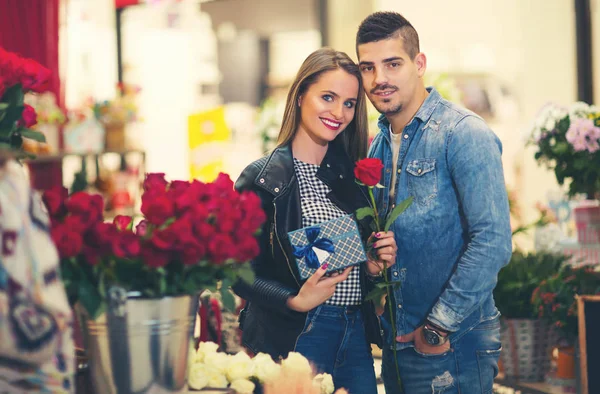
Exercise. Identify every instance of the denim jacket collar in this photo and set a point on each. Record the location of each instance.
(423, 114)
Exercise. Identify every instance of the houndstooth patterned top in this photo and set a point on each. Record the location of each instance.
(318, 208)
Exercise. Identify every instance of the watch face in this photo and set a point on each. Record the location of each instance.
(431, 337)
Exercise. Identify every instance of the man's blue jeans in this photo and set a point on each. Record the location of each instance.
(468, 368)
(334, 341)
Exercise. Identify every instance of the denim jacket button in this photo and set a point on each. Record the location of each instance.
(341, 177)
(399, 306)
(395, 273)
(399, 170)
(405, 136)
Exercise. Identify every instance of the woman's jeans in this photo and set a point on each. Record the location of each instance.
(334, 341)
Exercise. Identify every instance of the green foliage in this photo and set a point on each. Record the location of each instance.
(518, 280)
(555, 300)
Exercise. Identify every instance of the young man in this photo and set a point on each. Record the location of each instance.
(456, 235)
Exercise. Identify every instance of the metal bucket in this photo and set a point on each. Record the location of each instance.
(140, 345)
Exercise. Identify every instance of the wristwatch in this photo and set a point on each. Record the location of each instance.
(434, 336)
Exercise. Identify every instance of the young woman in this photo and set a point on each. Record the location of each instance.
(308, 179)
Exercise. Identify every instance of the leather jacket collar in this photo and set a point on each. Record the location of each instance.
(278, 172)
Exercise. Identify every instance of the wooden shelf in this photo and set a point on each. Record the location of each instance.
(61, 156)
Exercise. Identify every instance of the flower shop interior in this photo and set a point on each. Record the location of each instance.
(195, 88)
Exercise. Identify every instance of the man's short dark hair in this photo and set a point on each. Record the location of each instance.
(383, 25)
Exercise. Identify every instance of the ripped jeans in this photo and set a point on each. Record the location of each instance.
(468, 368)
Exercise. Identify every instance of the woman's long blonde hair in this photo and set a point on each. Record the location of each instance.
(355, 136)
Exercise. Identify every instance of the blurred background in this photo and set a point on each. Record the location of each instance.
(192, 88)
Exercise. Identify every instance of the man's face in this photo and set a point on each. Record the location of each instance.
(390, 77)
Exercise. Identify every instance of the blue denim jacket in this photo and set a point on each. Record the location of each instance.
(456, 236)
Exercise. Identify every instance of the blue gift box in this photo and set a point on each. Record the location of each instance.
(336, 242)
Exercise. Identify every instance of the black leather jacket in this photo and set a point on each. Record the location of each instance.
(267, 323)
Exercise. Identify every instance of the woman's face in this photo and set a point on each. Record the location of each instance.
(328, 106)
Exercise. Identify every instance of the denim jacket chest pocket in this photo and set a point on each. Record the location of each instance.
(422, 180)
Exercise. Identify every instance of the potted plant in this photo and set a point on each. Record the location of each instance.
(568, 142)
(19, 76)
(136, 289)
(555, 303)
(527, 340)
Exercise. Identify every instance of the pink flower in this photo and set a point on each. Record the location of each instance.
(583, 135)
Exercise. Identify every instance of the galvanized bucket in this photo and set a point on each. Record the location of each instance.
(140, 345)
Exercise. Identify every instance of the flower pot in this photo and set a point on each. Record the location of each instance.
(139, 345)
(526, 348)
(587, 222)
(565, 363)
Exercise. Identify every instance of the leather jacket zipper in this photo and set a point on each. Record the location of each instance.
(280, 245)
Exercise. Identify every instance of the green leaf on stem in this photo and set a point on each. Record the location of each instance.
(396, 212)
(33, 135)
(362, 213)
(227, 296)
(247, 274)
(376, 294)
(90, 297)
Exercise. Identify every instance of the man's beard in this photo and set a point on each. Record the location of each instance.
(389, 111)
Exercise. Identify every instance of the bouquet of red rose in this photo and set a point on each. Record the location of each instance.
(368, 173)
(194, 236)
(17, 77)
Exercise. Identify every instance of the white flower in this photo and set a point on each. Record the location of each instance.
(202, 375)
(240, 367)
(550, 123)
(205, 348)
(216, 379)
(243, 386)
(295, 363)
(265, 369)
(579, 110)
(218, 361)
(324, 382)
(197, 377)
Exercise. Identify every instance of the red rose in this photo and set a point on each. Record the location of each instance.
(100, 236)
(204, 230)
(54, 199)
(28, 117)
(76, 223)
(126, 244)
(123, 222)
(155, 182)
(247, 249)
(368, 171)
(223, 183)
(172, 236)
(68, 242)
(156, 207)
(142, 228)
(221, 248)
(152, 257)
(92, 255)
(192, 251)
(33, 76)
(2, 86)
(10, 64)
(87, 206)
(253, 212)
(199, 212)
(226, 225)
